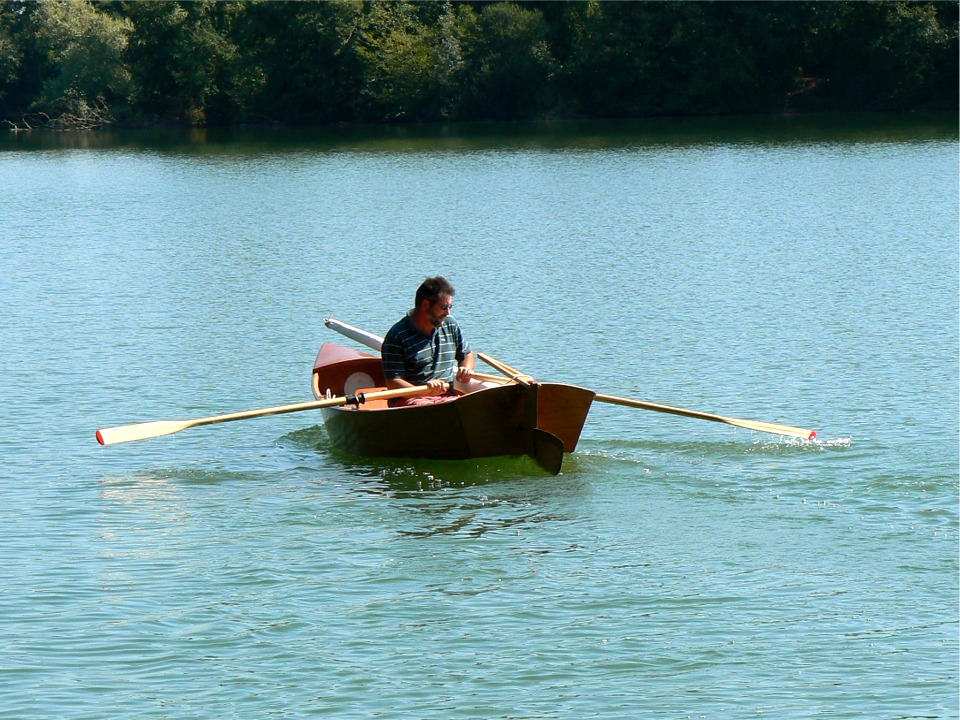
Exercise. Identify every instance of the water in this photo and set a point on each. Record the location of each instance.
(801, 271)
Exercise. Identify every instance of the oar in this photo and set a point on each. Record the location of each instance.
(157, 428)
(374, 342)
(757, 425)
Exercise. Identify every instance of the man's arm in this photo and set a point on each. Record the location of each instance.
(467, 366)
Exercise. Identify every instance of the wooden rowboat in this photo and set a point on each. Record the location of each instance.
(543, 420)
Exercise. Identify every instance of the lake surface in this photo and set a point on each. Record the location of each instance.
(794, 270)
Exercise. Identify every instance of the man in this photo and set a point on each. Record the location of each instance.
(426, 346)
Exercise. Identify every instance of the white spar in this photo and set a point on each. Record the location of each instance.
(374, 342)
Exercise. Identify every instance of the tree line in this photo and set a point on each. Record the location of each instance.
(75, 63)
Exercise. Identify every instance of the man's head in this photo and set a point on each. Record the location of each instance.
(435, 299)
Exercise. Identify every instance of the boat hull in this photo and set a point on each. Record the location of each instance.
(539, 419)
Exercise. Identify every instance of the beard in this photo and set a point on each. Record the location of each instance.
(435, 320)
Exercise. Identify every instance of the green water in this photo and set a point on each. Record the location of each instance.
(793, 270)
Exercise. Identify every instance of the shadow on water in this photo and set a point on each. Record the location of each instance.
(414, 474)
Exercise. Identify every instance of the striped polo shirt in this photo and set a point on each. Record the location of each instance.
(409, 354)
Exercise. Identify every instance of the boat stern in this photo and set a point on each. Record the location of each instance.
(342, 371)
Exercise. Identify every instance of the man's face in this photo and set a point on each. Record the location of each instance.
(438, 311)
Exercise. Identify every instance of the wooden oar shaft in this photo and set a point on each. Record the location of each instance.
(157, 428)
(510, 372)
(499, 365)
(643, 405)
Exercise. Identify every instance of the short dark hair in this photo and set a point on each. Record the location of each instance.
(432, 288)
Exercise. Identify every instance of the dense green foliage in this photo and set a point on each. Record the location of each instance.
(73, 63)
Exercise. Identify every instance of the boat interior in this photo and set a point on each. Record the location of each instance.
(339, 372)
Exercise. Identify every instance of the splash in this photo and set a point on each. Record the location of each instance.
(816, 443)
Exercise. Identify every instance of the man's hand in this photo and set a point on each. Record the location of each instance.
(439, 386)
